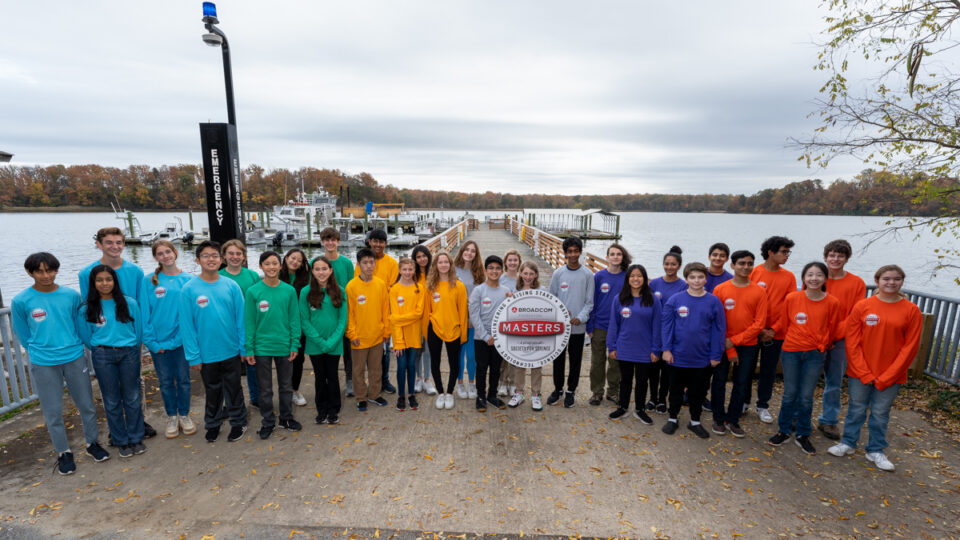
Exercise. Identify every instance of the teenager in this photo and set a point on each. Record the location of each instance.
(159, 313)
(406, 319)
(718, 256)
(368, 325)
(529, 279)
(778, 282)
(44, 319)
(607, 283)
(573, 285)
(110, 327)
(323, 319)
(693, 334)
(745, 308)
(484, 302)
(385, 268)
(212, 305)
(422, 256)
(294, 270)
(446, 306)
(664, 288)
(342, 273)
(511, 273)
(234, 254)
(272, 324)
(882, 338)
(469, 267)
(848, 289)
(634, 339)
(810, 320)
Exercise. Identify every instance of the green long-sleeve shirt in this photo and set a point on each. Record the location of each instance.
(323, 326)
(272, 320)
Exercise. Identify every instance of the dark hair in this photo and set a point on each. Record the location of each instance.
(821, 266)
(721, 246)
(694, 267)
(109, 231)
(377, 234)
(774, 243)
(302, 276)
(740, 254)
(34, 260)
(840, 246)
(267, 254)
(676, 253)
(316, 294)
(211, 244)
(626, 293)
(492, 259)
(329, 232)
(413, 255)
(365, 253)
(627, 259)
(572, 241)
(94, 309)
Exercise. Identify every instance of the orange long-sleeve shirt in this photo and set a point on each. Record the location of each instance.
(849, 290)
(745, 309)
(882, 340)
(778, 285)
(368, 312)
(406, 315)
(447, 307)
(385, 268)
(809, 324)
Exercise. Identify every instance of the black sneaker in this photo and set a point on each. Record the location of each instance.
(613, 398)
(380, 401)
(148, 431)
(707, 406)
(291, 425)
(333, 419)
(670, 427)
(65, 464)
(778, 439)
(698, 431)
(642, 416)
(481, 405)
(595, 399)
(265, 431)
(497, 402)
(236, 433)
(651, 406)
(553, 398)
(320, 419)
(401, 403)
(719, 428)
(389, 388)
(568, 400)
(125, 451)
(619, 413)
(212, 434)
(97, 452)
(139, 447)
(413, 402)
(803, 442)
(362, 406)
(662, 408)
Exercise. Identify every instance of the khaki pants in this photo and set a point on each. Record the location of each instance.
(536, 375)
(364, 361)
(509, 375)
(602, 368)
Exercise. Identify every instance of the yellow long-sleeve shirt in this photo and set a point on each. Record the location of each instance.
(448, 314)
(406, 315)
(385, 268)
(368, 312)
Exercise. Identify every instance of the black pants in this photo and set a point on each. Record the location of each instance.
(487, 357)
(347, 359)
(326, 383)
(742, 378)
(659, 382)
(264, 366)
(297, 372)
(695, 381)
(434, 343)
(575, 351)
(628, 372)
(224, 396)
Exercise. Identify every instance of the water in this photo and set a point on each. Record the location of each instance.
(647, 236)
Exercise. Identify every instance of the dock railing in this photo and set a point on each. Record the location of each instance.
(448, 239)
(16, 389)
(939, 354)
(550, 247)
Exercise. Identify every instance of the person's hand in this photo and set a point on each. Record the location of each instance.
(654, 357)
(728, 344)
(490, 341)
(196, 367)
(714, 363)
(250, 360)
(767, 334)
(575, 321)
(590, 335)
(293, 356)
(398, 352)
(160, 351)
(355, 343)
(734, 360)
(668, 357)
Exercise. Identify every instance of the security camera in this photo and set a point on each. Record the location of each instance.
(212, 39)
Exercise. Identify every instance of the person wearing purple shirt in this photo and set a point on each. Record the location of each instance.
(719, 254)
(663, 288)
(693, 332)
(606, 287)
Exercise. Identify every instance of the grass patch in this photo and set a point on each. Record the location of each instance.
(10, 414)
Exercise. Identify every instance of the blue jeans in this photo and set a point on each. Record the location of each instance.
(173, 373)
(468, 358)
(742, 377)
(252, 385)
(801, 372)
(834, 368)
(118, 372)
(406, 371)
(863, 396)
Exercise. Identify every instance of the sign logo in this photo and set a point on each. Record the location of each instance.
(800, 318)
(400, 300)
(264, 306)
(160, 292)
(626, 312)
(203, 301)
(361, 299)
(604, 287)
(872, 319)
(436, 297)
(729, 304)
(39, 315)
(683, 311)
(531, 328)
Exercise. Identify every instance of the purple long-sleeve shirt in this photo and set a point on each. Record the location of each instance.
(694, 329)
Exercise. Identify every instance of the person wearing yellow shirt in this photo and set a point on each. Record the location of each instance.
(422, 256)
(406, 319)
(368, 325)
(446, 304)
(385, 267)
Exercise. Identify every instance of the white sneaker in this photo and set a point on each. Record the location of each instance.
(299, 399)
(418, 386)
(173, 427)
(517, 399)
(841, 450)
(441, 400)
(535, 402)
(449, 402)
(502, 390)
(187, 425)
(765, 416)
(472, 390)
(431, 389)
(461, 391)
(880, 460)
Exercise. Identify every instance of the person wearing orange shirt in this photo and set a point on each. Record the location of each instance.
(778, 282)
(849, 289)
(882, 338)
(745, 307)
(368, 325)
(385, 268)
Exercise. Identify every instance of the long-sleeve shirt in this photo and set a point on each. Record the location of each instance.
(606, 288)
(324, 326)
(160, 310)
(882, 339)
(634, 331)
(447, 311)
(385, 268)
(406, 315)
(809, 324)
(368, 311)
(745, 309)
(246, 278)
(484, 301)
(342, 270)
(108, 330)
(271, 320)
(466, 277)
(211, 321)
(714, 280)
(778, 285)
(664, 290)
(849, 290)
(575, 289)
(46, 323)
(129, 275)
(694, 329)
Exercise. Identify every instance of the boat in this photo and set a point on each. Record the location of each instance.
(171, 232)
(320, 207)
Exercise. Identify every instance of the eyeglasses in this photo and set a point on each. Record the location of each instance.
(785, 251)
(209, 256)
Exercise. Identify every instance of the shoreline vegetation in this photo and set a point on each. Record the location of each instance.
(92, 188)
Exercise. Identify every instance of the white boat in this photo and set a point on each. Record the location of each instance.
(171, 232)
(320, 206)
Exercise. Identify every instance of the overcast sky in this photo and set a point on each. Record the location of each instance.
(529, 96)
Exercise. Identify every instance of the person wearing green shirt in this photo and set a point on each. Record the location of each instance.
(272, 321)
(323, 312)
(234, 252)
(294, 271)
(342, 273)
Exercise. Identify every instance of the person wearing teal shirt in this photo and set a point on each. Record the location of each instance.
(234, 254)
(323, 317)
(293, 270)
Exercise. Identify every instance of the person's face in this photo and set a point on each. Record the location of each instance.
(407, 271)
(528, 275)
(890, 282)
(671, 266)
(636, 279)
(512, 262)
(367, 264)
(294, 261)
(494, 271)
(718, 258)
(835, 260)
(422, 259)
(104, 283)
(814, 278)
(209, 260)
(166, 256)
(378, 246)
(781, 255)
(696, 280)
(743, 267)
(234, 256)
(572, 254)
(330, 244)
(614, 257)
(443, 265)
(270, 267)
(469, 253)
(44, 276)
(322, 271)
(111, 245)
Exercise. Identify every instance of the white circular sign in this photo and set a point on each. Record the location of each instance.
(531, 328)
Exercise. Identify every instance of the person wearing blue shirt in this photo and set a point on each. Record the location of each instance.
(110, 327)
(606, 287)
(212, 329)
(44, 319)
(693, 336)
(663, 288)
(718, 255)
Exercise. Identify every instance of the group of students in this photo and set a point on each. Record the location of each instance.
(677, 337)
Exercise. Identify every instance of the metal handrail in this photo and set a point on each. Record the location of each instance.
(549, 247)
(448, 239)
(17, 388)
(943, 359)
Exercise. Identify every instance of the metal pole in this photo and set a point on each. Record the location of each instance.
(227, 73)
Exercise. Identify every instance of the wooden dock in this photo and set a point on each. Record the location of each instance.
(499, 241)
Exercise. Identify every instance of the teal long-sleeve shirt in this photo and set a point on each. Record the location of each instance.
(272, 320)
(108, 330)
(211, 321)
(323, 326)
(160, 310)
(46, 323)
